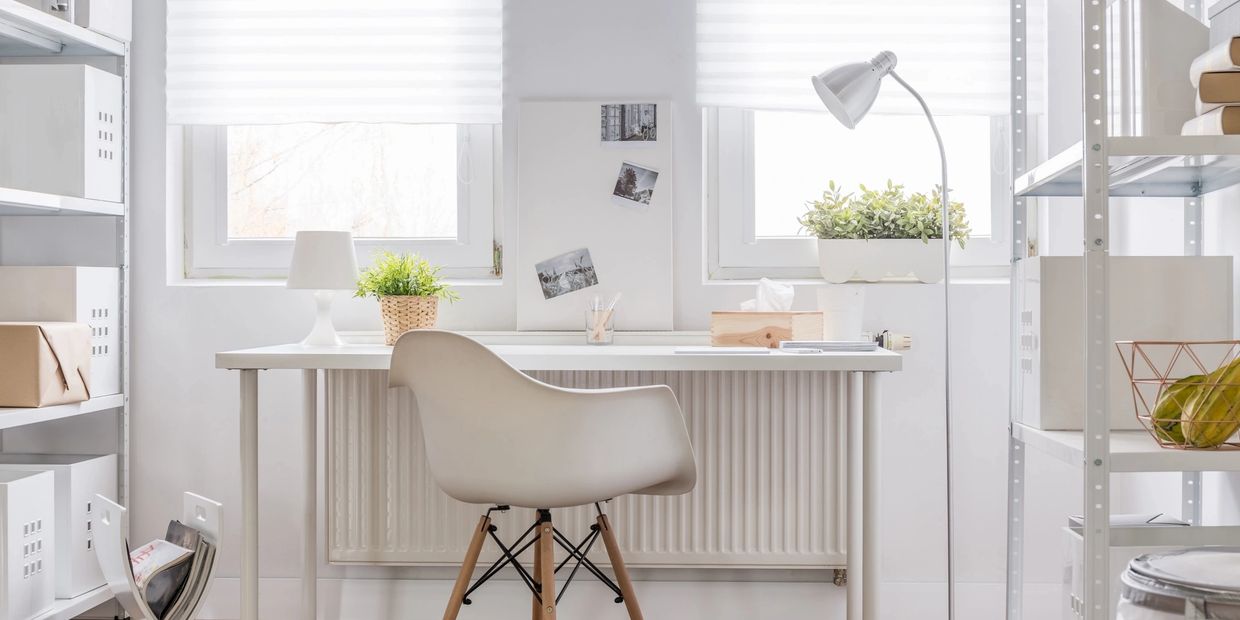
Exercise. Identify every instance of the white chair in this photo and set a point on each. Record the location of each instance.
(498, 437)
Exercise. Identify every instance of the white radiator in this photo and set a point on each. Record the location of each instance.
(771, 489)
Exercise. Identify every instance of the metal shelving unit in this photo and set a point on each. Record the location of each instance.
(26, 32)
(1095, 169)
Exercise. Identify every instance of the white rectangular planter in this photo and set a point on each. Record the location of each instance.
(77, 479)
(89, 295)
(844, 260)
(60, 130)
(1152, 298)
(27, 543)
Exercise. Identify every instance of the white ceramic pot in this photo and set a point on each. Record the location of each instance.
(843, 260)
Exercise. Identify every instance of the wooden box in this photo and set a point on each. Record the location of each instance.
(763, 329)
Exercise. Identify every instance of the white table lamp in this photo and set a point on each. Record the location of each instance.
(323, 261)
(848, 91)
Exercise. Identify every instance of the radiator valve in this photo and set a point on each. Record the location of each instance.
(894, 342)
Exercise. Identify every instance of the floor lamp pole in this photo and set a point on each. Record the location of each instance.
(947, 357)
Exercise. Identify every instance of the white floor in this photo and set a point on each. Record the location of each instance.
(382, 599)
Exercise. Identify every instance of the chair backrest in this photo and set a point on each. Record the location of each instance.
(495, 435)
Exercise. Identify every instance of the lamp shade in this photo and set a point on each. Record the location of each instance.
(849, 90)
(323, 260)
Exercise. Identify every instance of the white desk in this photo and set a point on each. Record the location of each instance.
(863, 401)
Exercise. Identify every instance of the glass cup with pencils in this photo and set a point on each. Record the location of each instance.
(601, 320)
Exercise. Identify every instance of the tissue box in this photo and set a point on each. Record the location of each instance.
(77, 479)
(27, 544)
(763, 329)
(44, 364)
(89, 295)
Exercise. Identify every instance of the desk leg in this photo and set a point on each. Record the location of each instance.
(249, 494)
(309, 544)
(872, 412)
(856, 489)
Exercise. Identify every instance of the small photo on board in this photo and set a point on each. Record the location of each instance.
(568, 272)
(629, 122)
(635, 185)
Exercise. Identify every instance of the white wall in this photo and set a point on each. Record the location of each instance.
(185, 411)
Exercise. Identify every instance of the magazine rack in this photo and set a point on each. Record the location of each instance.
(112, 549)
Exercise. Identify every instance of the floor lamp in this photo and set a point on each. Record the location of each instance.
(849, 91)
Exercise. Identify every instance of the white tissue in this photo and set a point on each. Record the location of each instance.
(772, 297)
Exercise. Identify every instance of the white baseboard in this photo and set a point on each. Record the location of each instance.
(409, 599)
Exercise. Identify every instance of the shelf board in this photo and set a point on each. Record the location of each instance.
(22, 202)
(1131, 451)
(1172, 535)
(11, 417)
(27, 31)
(1159, 166)
(68, 608)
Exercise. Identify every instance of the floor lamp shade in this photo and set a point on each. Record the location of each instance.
(849, 90)
(323, 260)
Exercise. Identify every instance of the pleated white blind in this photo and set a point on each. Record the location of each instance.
(760, 54)
(237, 62)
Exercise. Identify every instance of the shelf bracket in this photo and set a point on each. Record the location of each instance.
(10, 31)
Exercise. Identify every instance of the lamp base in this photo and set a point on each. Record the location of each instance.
(323, 334)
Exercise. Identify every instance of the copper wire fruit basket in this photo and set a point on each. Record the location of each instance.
(1186, 393)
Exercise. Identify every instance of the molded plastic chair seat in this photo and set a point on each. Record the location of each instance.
(493, 435)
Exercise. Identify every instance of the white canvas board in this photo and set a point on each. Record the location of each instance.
(566, 193)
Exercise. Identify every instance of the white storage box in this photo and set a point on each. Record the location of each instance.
(77, 479)
(89, 295)
(1074, 568)
(1151, 42)
(60, 130)
(1152, 298)
(27, 543)
(113, 18)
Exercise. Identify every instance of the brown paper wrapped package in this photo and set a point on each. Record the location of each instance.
(44, 364)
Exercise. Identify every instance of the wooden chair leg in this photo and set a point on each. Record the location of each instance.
(618, 567)
(467, 568)
(546, 568)
(536, 606)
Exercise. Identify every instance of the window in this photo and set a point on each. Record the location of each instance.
(771, 146)
(313, 114)
(401, 187)
(764, 166)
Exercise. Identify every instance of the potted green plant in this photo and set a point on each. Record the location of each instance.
(409, 288)
(881, 233)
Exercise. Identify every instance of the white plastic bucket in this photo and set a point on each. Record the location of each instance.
(1193, 584)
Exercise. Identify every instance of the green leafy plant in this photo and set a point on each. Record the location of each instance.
(403, 274)
(887, 213)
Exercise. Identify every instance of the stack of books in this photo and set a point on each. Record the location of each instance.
(1216, 76)
(172, 574)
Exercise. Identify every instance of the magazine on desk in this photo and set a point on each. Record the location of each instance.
(171, 574)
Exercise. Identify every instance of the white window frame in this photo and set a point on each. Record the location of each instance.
(210, 253)
(734, 251)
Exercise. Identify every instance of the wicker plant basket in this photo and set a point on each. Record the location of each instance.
(403, 313)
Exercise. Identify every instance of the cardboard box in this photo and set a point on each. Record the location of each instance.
(77, 478)
(44, 364)
(1152, 298)
(27, 543)
(60, 131)
(89, 295)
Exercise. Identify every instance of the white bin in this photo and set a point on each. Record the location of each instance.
(77, 479)
(1201, 584)
(88, 295)
(27, 543)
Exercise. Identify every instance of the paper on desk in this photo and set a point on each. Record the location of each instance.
(772, 296)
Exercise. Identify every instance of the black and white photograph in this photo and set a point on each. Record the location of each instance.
(629, 122)
(568, 272)
(634, 185)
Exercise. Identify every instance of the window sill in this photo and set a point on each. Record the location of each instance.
(225, 282)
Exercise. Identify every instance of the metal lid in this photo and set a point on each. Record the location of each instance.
(1208, 577)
